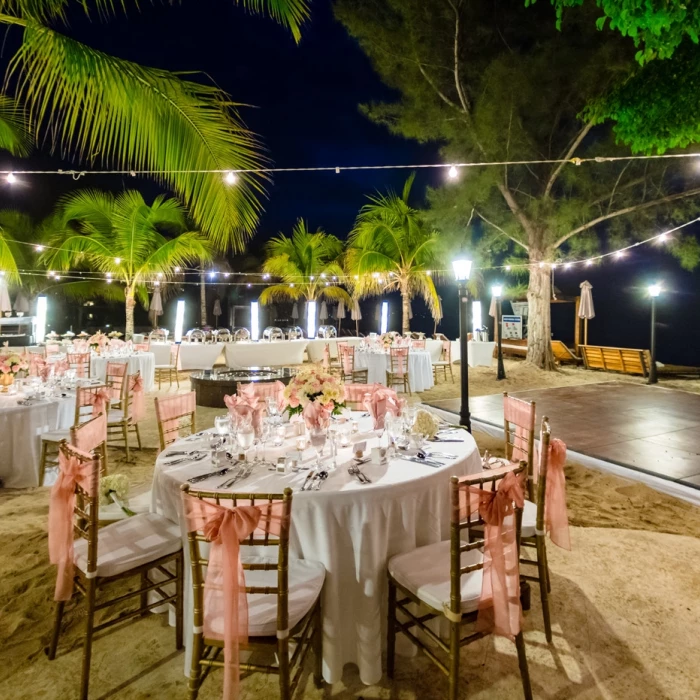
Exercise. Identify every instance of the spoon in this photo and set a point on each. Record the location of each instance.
(320, 478)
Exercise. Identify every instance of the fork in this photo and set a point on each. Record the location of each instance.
(362, 477)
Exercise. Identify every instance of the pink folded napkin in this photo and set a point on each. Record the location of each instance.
(379, 403)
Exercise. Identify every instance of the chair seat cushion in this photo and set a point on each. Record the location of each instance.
(441, 363)
(165, 367)
(56, 435)
(529, 519)
(426, 573)
(305, 583)
(130, 543)
(115, 416)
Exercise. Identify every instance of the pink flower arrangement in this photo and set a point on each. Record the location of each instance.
(314, 385)
(13, 364)
(99, 340)
(388, 339)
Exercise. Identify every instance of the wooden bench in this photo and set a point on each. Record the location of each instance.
(563, 354)
(626, 360)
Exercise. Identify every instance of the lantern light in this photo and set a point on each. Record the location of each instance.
(254, 320)
(179, 320)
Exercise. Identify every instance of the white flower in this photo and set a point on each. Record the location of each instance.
(116, 485)
(426, 424)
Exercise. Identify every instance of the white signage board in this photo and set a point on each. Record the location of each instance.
(512, 327)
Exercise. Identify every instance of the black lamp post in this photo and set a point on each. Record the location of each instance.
(462, 268)
(497, 291)
(654, 291)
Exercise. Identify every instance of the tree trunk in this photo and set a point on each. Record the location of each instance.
(203, 298)
(130, 305)
(405, 320)
(539, 325)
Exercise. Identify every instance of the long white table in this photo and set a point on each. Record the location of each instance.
(352, 529)
(262, 353)
(420, 368)
(192, 355)
(21, 428)
(143, 362)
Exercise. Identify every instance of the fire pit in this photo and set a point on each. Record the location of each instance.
(210, 386)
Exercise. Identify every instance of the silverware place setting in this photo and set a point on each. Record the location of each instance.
(196, 457)
(354, 470)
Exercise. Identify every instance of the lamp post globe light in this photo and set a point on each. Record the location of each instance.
(462, 268)
(497, 291)
(654, 291)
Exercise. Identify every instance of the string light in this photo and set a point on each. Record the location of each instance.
(160, 274)
(230, 178)
(453, 173)
(177, 269)
(11, 178)
(38, 248)
(117, 261)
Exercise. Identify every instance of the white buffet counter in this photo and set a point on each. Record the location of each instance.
(265, 354)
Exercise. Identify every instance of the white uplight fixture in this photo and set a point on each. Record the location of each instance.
(254, 320)
(497, 290)
(230, 178)
(462, 269)
(384, 317)
(179, 320)
(42, 307)
(654, 290)
(311, 319)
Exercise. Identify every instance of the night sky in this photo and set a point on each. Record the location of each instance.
(305, 110)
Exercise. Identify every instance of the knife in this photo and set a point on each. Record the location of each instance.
(308, 479)
(443, 440)
(426, 462)
(204, 477)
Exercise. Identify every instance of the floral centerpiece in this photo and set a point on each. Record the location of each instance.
(388, 339)
(315, 394)
(426, 424)
(115, 334)
(11, 365)
(114, 488)
(98, 341)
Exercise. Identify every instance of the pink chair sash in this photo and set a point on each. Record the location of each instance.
(36, 365)
(224, 587)
(80, 360)
(326, 363)
(90, 435)
(347, 357)
(172, 408)
(499, 604)
(521, 414)
(52, 349)
(71, 472)
(446, 349)
(116, 369)
(142, 347)
(379, 402)
(263, 390)
(138, 406)
(556, 518)
(399, 361)
(99, 400)
(80, 346)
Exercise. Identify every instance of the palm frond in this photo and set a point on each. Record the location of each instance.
(84, 290)
(14, 132)
(115, 112)
(336, 293)
(289, 13)
(278, 292)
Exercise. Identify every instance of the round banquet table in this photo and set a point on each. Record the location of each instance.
(352, 529)
(420, 369)
(144, 362)
(20, 435)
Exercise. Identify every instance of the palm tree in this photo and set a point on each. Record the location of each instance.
(124, 238)
(105, 110)
(308, 265)
(391, 248)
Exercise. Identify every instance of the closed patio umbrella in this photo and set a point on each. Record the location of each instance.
(217, 312)
(295, 311)
(21, 303)
(5, 304)
(585, 309)
(155, 308)
(340, 312)
(356, 315)
(437, 316)
(323, 313)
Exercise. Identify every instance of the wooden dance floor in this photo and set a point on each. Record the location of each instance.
(646, 428)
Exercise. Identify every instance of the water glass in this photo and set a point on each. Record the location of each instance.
(221, 425)
(280, 434)
(245, 436)
(318, 441)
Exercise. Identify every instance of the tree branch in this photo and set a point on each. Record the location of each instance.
(627, 210)
(517, 211)
(577, 142)
(458, 83)
(439, 92)
(503, 231)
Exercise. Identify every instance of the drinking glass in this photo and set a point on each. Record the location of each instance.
(245, 437)
(221, 425)
(318, 442)
(280, 434)
(263, 438)
(272, 408)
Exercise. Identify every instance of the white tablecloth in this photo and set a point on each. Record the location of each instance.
(420, 369)
(263, 353)
(314, 349)
(20, 435)
(199, 355)
(352, 529)
(480, 354)
(143, 362)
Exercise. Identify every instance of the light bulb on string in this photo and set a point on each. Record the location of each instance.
(291, 284)
(11, 178)
(117, 261)
(453, 173)
(507, 268)
(311, 278)
(589, 262)
(160, 274)
(323, 274)
(663, 237)
(177, 269)
(567, 266)
(230, 178)
(619, 254)
(157, 283)
(38, 248)
(249, 285)
(266, 276)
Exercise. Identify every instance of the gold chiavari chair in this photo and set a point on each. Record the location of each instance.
(169, 370)
(348, 373)
(121, 421)
(91, 437)
(445, 362)
(142, 347)
(115, 379)
(446, 579)
(85, 397)
(173, 414)
(519, 431)
(284, 597)
(533, 531)
(80, 362)
(103, 556)
(397, 374)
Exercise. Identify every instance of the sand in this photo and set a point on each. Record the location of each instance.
(625, 600)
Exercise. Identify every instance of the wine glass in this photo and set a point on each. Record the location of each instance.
(221, 425)
(272, 408)
(263, 438)
(318, 442)
(245, 437)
